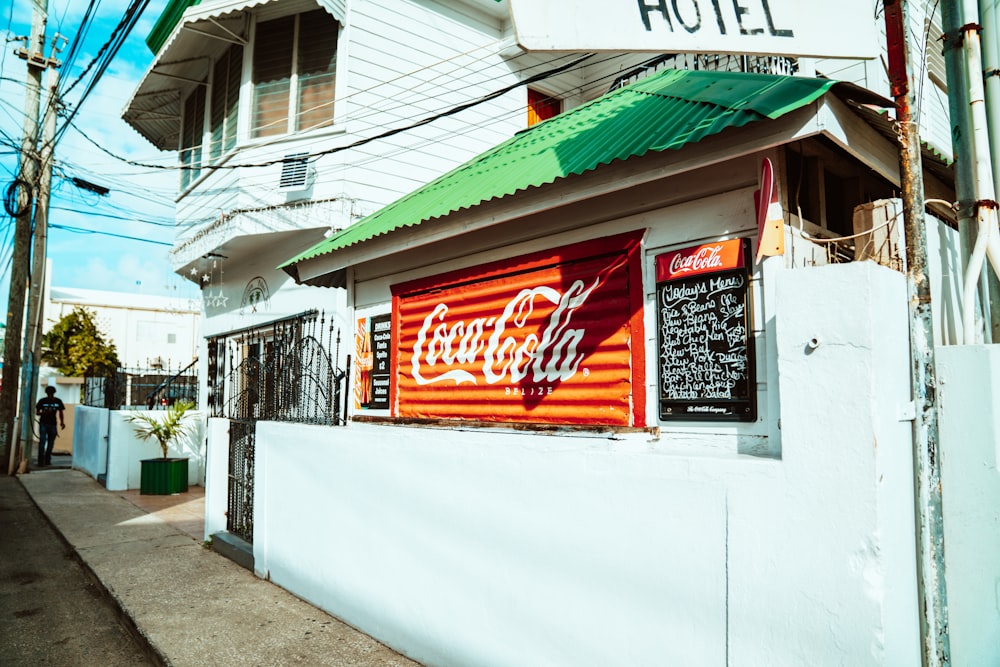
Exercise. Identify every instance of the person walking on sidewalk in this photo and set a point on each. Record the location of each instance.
(47, 409)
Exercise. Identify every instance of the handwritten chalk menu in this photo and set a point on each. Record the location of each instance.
(705, 341)
(381, 332)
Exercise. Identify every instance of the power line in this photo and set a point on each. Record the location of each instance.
(81, 230)
(103, 58)
(361, 142)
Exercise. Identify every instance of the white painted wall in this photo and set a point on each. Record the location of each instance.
(969, 424)
(216, 475)
(493, 547)
(90, 440)
(126, 451)
(398, 63)
(224, 295)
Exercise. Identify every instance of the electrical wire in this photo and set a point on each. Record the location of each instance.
(81, 230)
(103, 58)
(81, 36)
(366, 140)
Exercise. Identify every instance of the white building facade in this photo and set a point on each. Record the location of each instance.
(512, 475)
(148, 331)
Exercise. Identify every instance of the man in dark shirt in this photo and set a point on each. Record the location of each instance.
(47, 409)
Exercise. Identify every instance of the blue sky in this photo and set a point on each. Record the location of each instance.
(119, 241)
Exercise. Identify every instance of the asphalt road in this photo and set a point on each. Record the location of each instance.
(51, 612)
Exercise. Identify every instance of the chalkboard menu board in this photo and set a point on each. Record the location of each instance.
(381, 332)
(705, 339)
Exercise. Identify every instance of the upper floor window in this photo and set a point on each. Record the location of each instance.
(192, 132)
(294, 72)
(225, 102)
(542, 106)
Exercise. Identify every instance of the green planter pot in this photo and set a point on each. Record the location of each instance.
(163, 477)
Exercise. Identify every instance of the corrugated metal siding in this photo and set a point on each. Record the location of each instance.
(666, 111)
(590, 344)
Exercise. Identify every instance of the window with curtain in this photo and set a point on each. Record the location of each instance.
(294, 72)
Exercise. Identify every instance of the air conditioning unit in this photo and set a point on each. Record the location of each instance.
(297, 174)
(878, 227)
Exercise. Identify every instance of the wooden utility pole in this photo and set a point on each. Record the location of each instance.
(36, 292)
(34, 54)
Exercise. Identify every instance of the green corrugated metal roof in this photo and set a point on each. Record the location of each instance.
(665, 111)
(164, 25)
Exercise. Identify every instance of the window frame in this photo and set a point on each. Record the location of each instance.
(191, 145)
(295, 90)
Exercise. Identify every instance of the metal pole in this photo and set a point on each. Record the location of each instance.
(976, 150)
(957, 74)
(27, 176)
(991, 74)
(935, 645)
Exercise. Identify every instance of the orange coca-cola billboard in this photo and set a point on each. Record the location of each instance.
(546, 338)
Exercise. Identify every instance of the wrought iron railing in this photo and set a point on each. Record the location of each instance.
(709, 62)
(149, 388)
(282, 371)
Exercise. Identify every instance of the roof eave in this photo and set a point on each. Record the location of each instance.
(604, 180)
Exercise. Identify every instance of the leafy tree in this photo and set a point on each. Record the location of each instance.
(77, 347)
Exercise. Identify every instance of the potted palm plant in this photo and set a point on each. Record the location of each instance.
(163, 476)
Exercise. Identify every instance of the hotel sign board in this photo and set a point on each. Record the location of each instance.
(844, 29)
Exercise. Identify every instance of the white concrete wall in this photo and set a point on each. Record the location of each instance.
(494, 547)
(216, 476)
(969, 425)
(90, 440)
(126, 451)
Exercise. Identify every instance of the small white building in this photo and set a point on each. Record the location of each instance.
(148, 331)
(589, 416)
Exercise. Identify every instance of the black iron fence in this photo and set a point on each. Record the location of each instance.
(147, 388)
(283, 371)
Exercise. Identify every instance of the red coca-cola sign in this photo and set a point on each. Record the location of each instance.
(707, 258)
(548, 340)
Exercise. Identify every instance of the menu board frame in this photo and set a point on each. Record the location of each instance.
(701, 277)
(381, 372)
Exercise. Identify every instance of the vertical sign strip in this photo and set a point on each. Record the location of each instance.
(381, 372)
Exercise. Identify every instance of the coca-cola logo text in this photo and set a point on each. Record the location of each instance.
(707, 258)
(495, 347)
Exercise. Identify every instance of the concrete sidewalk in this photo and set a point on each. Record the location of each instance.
(190, 605)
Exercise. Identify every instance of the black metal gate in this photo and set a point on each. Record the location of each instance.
(239, 508)
(282, 371)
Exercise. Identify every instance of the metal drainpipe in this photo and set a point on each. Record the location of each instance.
(958, 111)
(935, 643)
(990, 21)
(978, 150)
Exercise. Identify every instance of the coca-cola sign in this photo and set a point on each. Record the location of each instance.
(704, 334)
(707, 258)
(492, 343)
(551, 344)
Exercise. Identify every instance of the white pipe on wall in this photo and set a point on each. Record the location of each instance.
(987, 245)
